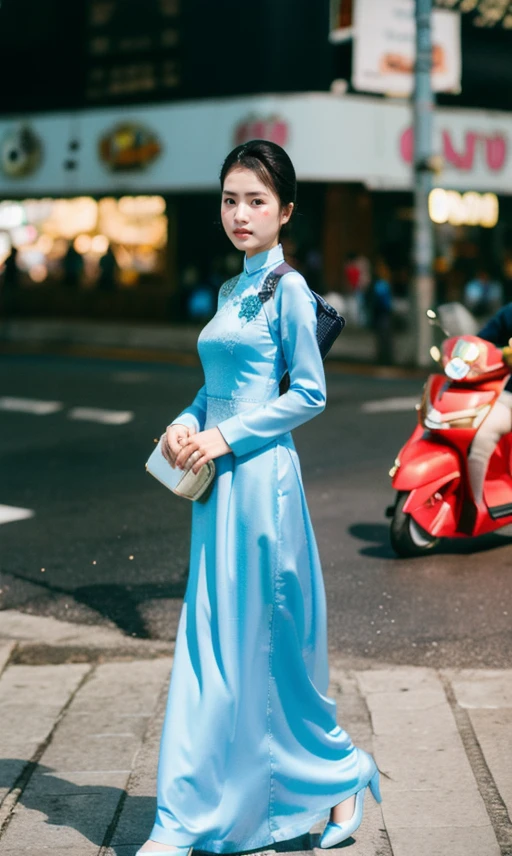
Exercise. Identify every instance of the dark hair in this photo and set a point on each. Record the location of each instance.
(270, 163)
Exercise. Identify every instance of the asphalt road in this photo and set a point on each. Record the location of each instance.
(108, 545)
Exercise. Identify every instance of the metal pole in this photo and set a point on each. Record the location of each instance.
(423, 252)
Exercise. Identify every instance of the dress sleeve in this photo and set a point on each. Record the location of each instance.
(194, 416)
(295, 324)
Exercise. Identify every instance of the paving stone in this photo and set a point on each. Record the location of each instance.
(397, 679)
(84, 850)
(31, 700)
(427, 782)
(46, 686)
(88, 782)
(10, 770)
(86, 740)
(435, 726)
(482, 688)
(431, 802)
(487, 697)
(6, 649)
(443, 841)
(493, 729)
(74, 793)
(69, 820)
(428, 763)
(27, 726)
(410, 808)
(104, 723)
(138, 812)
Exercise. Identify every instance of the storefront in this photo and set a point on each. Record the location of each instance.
(141, 184)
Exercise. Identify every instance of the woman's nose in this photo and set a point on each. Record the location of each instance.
(241, 213)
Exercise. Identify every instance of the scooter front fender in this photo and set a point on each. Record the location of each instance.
(423, 463)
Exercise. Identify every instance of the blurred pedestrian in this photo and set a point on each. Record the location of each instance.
(108, 268)
(10, 283)
(483, 296)
(73, 265)
(358, 277)
(379, 306)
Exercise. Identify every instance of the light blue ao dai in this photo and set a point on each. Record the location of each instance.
(251, 752)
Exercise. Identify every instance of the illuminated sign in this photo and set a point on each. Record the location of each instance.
(20, 152)
(129, 146)
(254, 128)
(463, 209)
(493, 149)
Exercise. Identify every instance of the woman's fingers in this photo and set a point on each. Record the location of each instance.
(166, 451)
(187, 452)
(175, 436)
(203, 459)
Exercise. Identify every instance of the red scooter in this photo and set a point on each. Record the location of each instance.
(434, 498)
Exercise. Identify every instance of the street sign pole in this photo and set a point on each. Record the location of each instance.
(423, 253)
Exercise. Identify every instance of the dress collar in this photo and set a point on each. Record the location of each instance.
(264, 259)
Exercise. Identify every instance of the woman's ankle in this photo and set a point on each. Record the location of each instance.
(344, 810)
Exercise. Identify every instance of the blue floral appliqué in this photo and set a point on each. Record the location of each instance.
(249, 307)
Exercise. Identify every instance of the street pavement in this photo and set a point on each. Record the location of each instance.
(104, 544)
(79, 746)
(93, 565)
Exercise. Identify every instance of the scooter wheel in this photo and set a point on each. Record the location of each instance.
(407, 538)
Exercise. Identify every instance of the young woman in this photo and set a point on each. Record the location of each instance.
(251, 752)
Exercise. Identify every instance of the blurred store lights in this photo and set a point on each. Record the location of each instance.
(11, 215)
(42, 230)
(463, 209)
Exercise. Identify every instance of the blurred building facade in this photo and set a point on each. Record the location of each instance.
(119, 114)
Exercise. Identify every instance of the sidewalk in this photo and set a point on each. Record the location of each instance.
(47, 334)
(79, 744)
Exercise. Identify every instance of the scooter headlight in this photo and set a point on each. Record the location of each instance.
(457, 368)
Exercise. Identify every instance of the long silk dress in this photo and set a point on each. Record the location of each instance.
(251, 751)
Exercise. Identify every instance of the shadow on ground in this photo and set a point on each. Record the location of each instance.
(378, 535)
(94, 810)
(119, 604)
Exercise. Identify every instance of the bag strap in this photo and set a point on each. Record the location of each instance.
(269, 286)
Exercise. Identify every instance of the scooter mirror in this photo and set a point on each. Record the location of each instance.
(431, 315)
(435, 353)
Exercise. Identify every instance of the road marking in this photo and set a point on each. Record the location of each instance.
(30, 405)
(8, 513)
(96, 414)
(390, 405)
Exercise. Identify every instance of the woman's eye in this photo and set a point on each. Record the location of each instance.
(258, 201)
(228, 201)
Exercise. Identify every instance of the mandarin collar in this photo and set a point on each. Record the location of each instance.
(264, 259)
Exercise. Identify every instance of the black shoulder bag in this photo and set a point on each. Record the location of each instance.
(329, 322)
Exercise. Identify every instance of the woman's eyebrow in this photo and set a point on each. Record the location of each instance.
(250, 193)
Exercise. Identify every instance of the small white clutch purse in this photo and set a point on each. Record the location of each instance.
(182, 482)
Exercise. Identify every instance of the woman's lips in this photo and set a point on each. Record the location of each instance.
(241, 233)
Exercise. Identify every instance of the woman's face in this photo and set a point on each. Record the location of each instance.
(251, 213)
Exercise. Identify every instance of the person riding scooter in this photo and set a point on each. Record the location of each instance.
(498, 330)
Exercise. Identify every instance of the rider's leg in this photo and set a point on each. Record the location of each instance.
(498, 423)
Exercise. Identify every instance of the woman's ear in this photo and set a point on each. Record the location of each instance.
(286, 213)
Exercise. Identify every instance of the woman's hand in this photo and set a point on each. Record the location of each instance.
(203, 446)
(173, 439)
